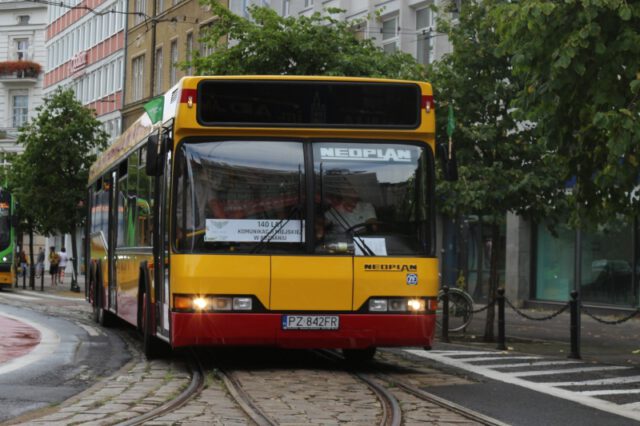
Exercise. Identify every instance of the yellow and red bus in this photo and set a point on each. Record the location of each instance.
(285, 211)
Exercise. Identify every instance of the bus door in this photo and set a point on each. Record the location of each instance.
(111, 241)
(161, 243)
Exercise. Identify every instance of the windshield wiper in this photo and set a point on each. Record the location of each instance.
(275, 229)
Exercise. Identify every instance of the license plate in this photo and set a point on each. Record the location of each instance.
(310, 322)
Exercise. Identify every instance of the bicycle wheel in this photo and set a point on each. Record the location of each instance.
(460, 309)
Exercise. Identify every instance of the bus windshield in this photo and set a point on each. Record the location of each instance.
(370, 198)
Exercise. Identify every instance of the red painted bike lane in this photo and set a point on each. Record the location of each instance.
(16, 339)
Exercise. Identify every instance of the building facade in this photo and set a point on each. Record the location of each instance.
(22, 59)
(394, 25)
(161, 35)
(85, 41)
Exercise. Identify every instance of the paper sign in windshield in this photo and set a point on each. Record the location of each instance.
(254, 230)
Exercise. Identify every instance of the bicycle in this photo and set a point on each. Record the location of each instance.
(460, 309)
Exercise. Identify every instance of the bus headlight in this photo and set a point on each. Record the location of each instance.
(416, 305)
(242, 304)
(197, 303)
(397, 304)
(200, 303)
(378, 305)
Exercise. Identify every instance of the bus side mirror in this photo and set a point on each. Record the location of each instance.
(447, 156)
(152, 156)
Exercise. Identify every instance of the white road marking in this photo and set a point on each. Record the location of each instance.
(599, 382)
(451, 353)
(93, 331)
(630, 412)
(49, 341)
(496, 358)
(530, 364)
(568, 371)
(17, 296)
(610, 392)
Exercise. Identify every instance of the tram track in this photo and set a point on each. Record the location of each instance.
(191, 391)
(391, 409)
(244, 400)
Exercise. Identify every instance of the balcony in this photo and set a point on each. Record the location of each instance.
(19, 72)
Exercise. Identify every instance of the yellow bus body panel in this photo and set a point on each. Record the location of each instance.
(388, 276)
(221, 274)
(312, 283)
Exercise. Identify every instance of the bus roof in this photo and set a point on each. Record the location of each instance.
(140, 129)
(185, 92)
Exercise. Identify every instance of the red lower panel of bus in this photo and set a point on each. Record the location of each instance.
(355, 331)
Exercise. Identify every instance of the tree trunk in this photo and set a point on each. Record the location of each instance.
(32, 269)
(493, 282)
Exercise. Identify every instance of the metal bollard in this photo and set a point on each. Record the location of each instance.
(501, 333)
(24, 279)
(445, 314)
(574, 306)
(42, 279)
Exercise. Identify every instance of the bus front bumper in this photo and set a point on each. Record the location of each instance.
(355, 331)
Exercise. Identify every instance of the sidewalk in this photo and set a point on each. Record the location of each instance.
(609, 344)
(62, 289)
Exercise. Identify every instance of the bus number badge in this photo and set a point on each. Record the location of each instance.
(412, 279)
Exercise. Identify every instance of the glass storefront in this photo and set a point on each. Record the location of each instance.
(606, 267)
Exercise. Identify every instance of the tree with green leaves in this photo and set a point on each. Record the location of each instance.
(269, 44)
(502, 167)
(579, 62)
(49, 179)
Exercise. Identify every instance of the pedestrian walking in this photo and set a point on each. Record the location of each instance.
(62, 264)
(54, 259)
(23, 263)
(40, 263)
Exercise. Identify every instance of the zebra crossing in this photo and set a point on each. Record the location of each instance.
(611, 388)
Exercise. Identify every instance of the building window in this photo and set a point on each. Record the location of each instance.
(20, 109)
(23, 20)
(137, 70)
(308, 3)
(173, 77)
(390, 34)
(285, 7)
(189, 53)
(205, 49)
(22, 48)
(140, 8)
(159, 6)
(607, 275)
(157, 84)
(425, 38)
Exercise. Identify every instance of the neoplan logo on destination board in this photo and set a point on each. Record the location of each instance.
(390, 267)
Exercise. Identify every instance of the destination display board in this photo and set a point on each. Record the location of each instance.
(332, 104)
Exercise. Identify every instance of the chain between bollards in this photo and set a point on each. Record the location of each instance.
(445, 314)
(501, 331)
(575, 325)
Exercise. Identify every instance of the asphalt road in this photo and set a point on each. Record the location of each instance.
(70, 358)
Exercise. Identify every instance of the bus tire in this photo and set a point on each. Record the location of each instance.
(101, 314)
(358, 356)
(149, 347)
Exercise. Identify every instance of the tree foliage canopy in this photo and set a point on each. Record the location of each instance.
(269, 44)
(502, 167)
(579, 61)
(49, 179)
